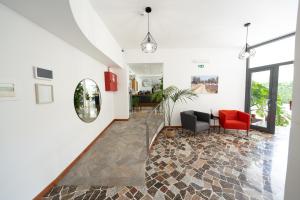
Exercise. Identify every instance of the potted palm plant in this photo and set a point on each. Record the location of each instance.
(170, 96)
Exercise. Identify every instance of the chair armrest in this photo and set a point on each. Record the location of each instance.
(242, 116)
(245, 117)
(188, 121)
(205, 117)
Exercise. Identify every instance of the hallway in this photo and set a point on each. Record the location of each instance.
(117, 157)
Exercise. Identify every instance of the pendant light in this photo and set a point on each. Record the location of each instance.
(148, 45)
(246, 52)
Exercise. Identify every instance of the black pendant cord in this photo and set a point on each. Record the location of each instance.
(148, 22)
(247, 26)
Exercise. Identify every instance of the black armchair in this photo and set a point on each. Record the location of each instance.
(195, 121)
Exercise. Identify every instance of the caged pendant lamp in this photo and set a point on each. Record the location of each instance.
(148, 45)
(246, 52)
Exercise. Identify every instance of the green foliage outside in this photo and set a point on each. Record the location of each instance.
(259, 100)
(285, 91)
(78, 96)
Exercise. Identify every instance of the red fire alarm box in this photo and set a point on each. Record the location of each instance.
(110, 81)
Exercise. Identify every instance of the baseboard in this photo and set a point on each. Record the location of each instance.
(121, 119)
(173, 127)
(68, 168)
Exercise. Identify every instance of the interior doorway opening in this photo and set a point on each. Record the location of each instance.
(145, 79)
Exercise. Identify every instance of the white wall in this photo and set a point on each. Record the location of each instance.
(153, 80)
(179, 67)
(38, 141)
(293, 176)
(121, 97)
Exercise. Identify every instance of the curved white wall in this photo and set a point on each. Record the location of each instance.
(37, 142)
(76, 23)
(95, 30)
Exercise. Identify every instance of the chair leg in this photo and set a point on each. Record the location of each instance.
(247, 133)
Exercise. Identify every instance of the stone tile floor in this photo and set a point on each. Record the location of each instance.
(208, 166)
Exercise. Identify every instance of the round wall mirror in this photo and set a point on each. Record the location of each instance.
(87, 100)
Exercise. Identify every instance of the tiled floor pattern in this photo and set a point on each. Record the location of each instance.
(208, 166)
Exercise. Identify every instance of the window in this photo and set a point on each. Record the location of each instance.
(275, 52)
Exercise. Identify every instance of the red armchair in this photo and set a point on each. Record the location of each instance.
(233, 119)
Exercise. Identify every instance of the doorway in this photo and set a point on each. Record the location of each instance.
(268, 98)
(269, 79)
(145, 79)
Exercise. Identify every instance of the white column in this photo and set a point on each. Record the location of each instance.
(292, 185)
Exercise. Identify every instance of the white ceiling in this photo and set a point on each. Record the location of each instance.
(146, 69)
(197, 23)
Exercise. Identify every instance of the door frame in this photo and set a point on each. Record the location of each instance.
(273, 88)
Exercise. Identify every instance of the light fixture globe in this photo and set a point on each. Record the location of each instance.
(246, 51)
(148, 45)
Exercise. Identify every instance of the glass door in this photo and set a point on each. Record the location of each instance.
(268, 96)
(284, 97)
(260, 99)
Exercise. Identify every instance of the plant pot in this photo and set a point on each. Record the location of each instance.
(170, 132)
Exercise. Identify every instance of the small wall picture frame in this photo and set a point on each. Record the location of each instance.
(7, 90)
(42, 73)
(44, 93)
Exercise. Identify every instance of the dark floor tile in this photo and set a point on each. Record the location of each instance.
(152, 191)
(175, 173)
(138, 195)
(180, 185)
(158, 185)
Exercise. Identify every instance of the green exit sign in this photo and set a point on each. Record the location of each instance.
(200, 66)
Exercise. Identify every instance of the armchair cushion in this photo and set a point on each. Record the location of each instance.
(236, 124)
(201, 126)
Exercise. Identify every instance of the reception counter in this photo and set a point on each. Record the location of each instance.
(143, 101)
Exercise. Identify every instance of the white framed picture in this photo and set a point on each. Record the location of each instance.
(7, 90)
(44, 93)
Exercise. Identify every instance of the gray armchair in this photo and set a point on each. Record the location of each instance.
(195, 121)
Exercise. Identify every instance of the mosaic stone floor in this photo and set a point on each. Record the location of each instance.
(208, 166)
